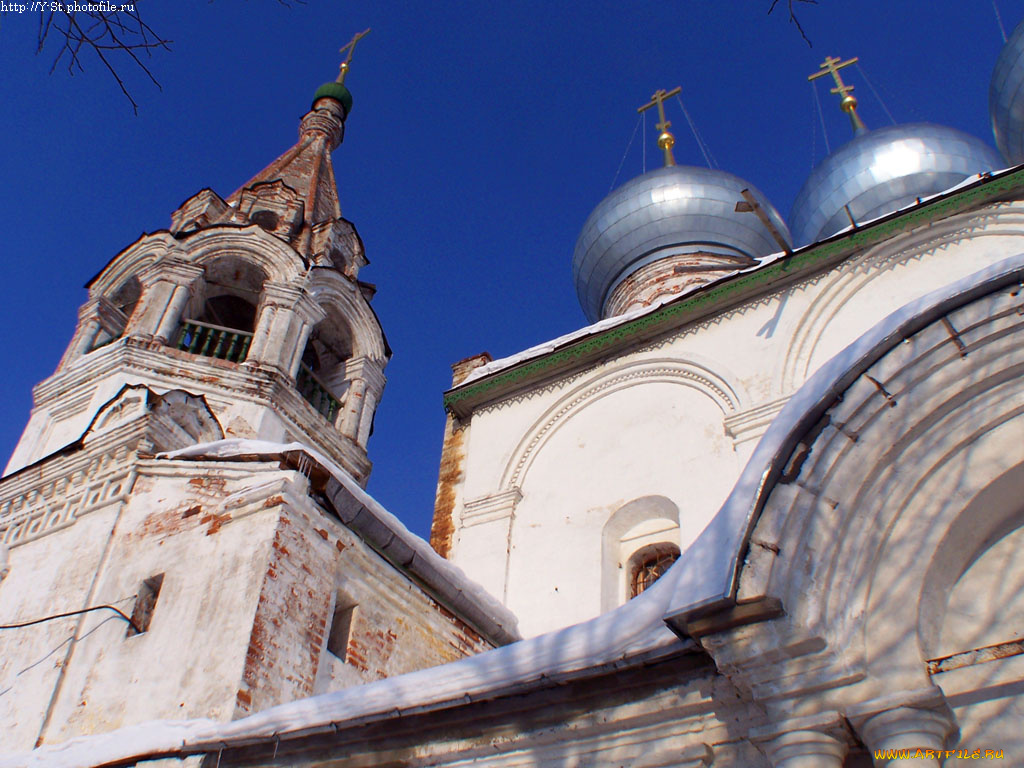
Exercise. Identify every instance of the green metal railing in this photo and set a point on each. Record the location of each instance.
(213, 341)
(316, 393)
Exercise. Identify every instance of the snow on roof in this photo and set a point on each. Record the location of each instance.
(600, 326)
(702, 576)
(631, 630)
(425, 562)
(546, 347)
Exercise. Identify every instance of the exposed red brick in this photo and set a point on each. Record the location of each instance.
(215, 521)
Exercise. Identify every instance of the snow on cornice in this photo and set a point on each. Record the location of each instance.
(390, 536)
(702, 576)
(545, 348)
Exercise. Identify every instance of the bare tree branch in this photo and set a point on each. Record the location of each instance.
(793, 17)
(108, 34)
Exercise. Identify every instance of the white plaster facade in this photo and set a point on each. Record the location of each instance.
(676, 417)
(139, 585)
(831, 439)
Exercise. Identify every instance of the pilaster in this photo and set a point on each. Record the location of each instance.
(817, 741)
(287, 315)
(167, 286)
(806, 749)
(88, 327)
(365, 390)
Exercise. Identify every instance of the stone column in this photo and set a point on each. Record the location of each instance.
(353, 409)
(88, 327)
(286, 318)
(806, 749)
(907, 736)
(167, 286)
(364, 392)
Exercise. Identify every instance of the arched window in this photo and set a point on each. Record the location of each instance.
(224, 323)
(649, 564)
(649, 524)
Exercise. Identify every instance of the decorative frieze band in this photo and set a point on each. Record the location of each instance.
(56, 504)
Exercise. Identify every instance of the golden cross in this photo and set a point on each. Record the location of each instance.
(350, 47)
(847, 101)
(665, 139)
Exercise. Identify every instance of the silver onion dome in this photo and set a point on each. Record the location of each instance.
(1006, 98)
(883, 170)
(668, 211)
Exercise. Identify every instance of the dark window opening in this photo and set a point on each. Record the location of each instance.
(341, 629)
(321, 372)
(266, 219)
(649, 564)
(145, 604)
(230, 312)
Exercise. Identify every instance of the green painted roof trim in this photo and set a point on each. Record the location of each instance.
(985, 190)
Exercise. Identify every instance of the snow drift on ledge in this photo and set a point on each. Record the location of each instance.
(634, 628)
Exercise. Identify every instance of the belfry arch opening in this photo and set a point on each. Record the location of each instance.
(220, 323)
(323, 375)
(115, 310)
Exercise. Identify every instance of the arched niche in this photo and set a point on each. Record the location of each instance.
(645, 525)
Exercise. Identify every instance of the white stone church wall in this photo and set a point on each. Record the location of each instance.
(546, 467)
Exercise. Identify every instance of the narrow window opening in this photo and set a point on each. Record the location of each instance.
(145, 604)
(649, 564)
(341, 629)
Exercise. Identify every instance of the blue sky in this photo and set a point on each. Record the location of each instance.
(481, 136)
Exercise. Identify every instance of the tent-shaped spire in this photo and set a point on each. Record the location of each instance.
(295, 198)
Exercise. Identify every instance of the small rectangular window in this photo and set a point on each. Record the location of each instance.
(145, 604)
(341, 628)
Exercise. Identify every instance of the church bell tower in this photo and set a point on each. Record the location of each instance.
(251, 302)
(143, 584)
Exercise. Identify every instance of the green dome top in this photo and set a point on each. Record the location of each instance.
(335, 91)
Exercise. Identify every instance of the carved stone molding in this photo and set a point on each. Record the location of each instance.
(496, 506)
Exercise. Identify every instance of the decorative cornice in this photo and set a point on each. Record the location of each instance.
(46, 498)
(723, 294)
(496, 506)
(164, 367)
(754, 421)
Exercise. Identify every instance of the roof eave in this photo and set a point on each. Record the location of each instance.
(724, 294)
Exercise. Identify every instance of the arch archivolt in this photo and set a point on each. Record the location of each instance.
(727, 396)
(847, 282)
(276, 259)
(341, 299)
(856, 537)
(130, 262)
